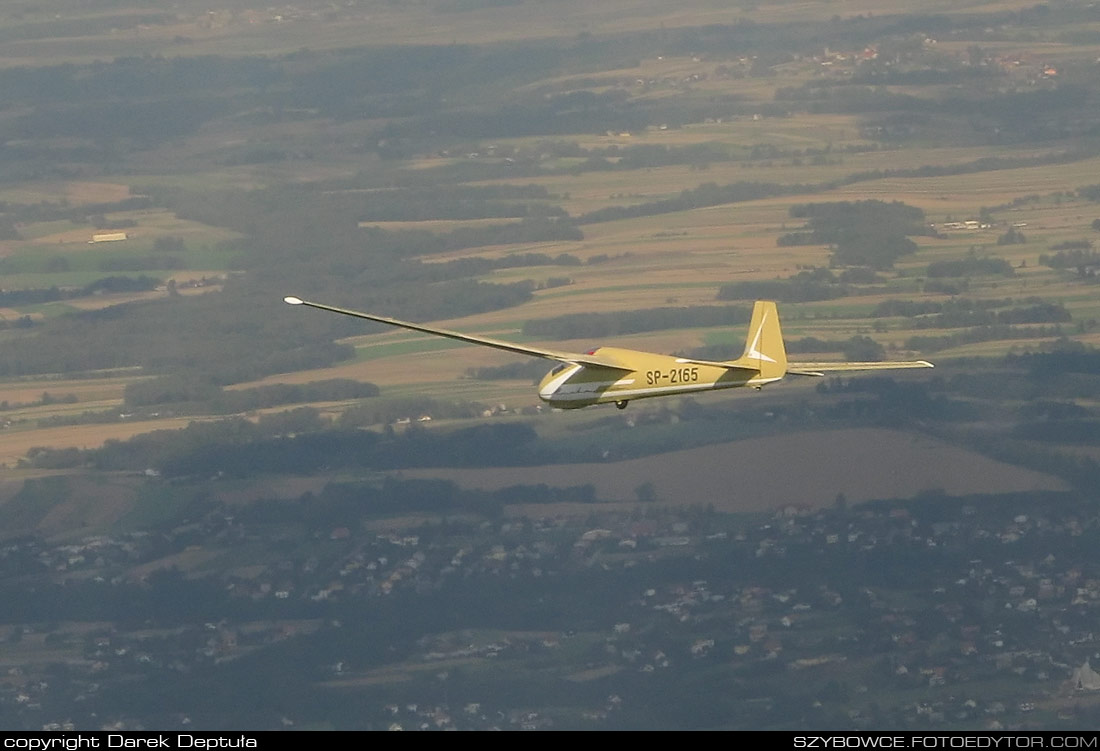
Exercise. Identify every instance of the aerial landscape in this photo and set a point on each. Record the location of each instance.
(222, 512)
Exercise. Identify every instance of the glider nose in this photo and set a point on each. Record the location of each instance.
(547, 387)
(552, 381)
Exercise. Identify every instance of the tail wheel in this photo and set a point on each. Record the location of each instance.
(621, 404)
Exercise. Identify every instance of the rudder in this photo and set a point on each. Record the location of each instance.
(764, 350)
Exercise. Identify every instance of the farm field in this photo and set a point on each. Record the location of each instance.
(767, 474)
(14, 444)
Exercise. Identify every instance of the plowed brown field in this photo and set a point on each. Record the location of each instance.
(800, 469)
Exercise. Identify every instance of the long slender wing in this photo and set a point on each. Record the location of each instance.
(821, 368)
(549, 354)
(815, 368)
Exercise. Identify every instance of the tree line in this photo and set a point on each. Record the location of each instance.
(208, 397)
(17, 297)
(599, 325)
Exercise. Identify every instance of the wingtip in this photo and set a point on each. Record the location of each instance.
(292, 300)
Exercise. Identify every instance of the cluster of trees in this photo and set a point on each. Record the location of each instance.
(1068, 259)
(892, 402)
(1067, 357)
(1090, 192)
(946, 286)
(527, 370)
(862, 233)
(807, 285)
(1035, 380)
(1073, 245)
(1012, 236)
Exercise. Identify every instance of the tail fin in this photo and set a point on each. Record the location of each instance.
(764, 350)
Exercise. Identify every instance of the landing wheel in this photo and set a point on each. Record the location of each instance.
(621, 404)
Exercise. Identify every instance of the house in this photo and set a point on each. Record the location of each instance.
(1085, 678)
(108, 237)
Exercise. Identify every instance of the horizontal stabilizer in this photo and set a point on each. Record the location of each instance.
(821, 368)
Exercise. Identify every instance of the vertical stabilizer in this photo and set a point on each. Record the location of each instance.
(764, 350)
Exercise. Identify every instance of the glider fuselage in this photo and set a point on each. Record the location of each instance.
(643, 375)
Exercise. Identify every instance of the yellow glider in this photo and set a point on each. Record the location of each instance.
(611, 374)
